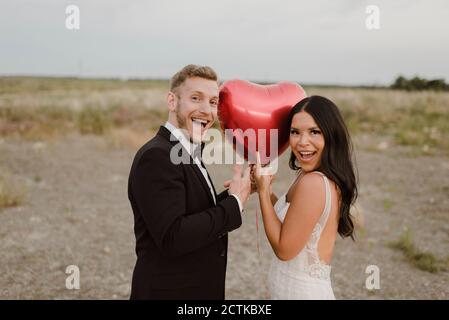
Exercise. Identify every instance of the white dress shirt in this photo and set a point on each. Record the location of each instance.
(190, 147)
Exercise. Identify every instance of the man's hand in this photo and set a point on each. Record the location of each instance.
(240, 185)
(227, 183)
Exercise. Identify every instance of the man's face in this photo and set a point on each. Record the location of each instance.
(195, 105)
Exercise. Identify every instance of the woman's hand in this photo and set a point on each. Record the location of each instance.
(227, 183)
(253, 181)
(261, 177)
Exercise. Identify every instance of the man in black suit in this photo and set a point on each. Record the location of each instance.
(180, 223)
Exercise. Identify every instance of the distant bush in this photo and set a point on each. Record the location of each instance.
(93, 121)
(417, 83)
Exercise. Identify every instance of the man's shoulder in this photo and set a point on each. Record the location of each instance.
(156, 143)
(152, 156)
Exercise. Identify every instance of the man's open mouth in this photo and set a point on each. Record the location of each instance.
(200, 122)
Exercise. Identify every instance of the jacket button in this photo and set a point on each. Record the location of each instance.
(223, 253)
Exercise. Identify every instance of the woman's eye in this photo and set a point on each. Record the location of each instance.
(195, 98)
(315, 132)
(214, 102)
(293, 132)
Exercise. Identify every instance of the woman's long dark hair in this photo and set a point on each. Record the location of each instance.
(336, 160)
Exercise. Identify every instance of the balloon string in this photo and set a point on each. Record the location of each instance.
(258, 253)
(257, 232)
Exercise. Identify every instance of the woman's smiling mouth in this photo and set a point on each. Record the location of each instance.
(306, 155)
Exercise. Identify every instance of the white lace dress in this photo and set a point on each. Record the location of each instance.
(305, 276)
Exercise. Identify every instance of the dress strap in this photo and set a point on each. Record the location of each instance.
(327, 206)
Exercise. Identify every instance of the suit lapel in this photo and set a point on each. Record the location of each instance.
(164, 132)
(204, 182)
(211, 182)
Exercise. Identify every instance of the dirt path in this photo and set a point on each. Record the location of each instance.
(77, 213)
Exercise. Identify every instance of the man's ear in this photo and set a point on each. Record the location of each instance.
(171, 101)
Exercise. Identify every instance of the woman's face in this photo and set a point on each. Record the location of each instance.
(306, 141)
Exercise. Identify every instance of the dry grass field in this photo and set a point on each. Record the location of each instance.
(66, 147)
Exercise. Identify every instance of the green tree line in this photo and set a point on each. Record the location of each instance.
(417, 83)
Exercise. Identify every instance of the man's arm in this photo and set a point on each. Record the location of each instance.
(159, 190)
(223, 195)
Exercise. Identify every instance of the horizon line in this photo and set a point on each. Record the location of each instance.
(124, 79)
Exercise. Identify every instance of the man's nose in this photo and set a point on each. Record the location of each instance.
(205, 108)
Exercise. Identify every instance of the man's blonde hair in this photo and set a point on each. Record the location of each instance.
(191, 71)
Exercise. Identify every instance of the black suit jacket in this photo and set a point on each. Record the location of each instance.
(181, 235)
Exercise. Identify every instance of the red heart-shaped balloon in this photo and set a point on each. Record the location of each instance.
(245, 105)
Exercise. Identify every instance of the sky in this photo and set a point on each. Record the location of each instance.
(311, 42)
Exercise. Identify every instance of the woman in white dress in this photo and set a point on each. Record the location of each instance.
(302, 225)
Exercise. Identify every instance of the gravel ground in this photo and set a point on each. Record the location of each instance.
(76, 212)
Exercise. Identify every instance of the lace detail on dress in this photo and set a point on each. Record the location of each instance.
(316, 267)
